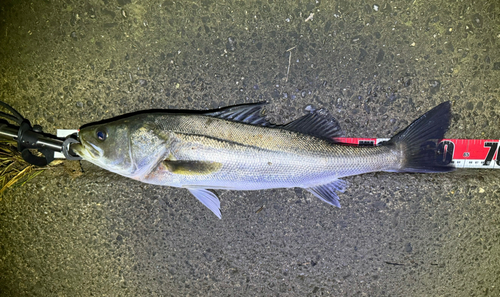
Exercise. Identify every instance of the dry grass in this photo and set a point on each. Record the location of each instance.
(14, 171)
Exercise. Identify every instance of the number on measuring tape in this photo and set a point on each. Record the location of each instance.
(445, 151)
(493, 149)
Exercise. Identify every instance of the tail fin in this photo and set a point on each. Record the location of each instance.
(419, 141)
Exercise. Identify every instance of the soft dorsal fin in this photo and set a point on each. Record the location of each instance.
(246, 113)
(316, 124)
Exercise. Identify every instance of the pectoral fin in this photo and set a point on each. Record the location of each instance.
(208, 198)
(328, 193)
(191, 167)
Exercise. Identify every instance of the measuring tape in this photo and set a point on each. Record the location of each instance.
(461, 153)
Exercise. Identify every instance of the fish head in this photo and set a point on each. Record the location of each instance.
(107, 146)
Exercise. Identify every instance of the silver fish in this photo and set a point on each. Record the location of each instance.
(236, 148)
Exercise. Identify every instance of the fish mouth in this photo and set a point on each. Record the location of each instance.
(77, 148)
(86, 150)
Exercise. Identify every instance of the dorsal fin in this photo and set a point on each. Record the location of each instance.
(317, 123)
(246, 113)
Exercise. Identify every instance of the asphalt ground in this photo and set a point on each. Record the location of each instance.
(77, 230)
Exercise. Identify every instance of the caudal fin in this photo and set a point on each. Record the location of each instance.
(419, 141)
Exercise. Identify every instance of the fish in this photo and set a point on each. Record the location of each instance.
(237, 148)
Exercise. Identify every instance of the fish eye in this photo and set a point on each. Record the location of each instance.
(101, 135)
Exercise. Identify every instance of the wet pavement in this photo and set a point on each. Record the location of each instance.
(375, 66)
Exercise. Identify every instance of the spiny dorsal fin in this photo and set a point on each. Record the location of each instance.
(318, 123)
(246, 113)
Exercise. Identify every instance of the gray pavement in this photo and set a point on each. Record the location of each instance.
(375, 66)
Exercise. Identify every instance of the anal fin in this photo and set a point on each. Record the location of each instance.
(327, 192)
(208, 198)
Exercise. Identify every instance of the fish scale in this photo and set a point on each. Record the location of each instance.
(309, 161)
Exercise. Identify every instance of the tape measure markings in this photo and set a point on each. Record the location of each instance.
(461, 153)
